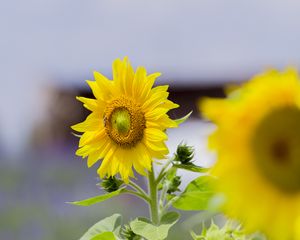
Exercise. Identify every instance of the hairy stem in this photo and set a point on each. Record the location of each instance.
(168, 205)
(153, 197)
(137, 187)
(138, 194)
(162, 172)
(163, 197)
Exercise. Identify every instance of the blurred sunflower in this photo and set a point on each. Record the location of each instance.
(257, 141)
(128, 121)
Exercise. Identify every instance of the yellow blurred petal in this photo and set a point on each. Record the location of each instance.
(212, 108)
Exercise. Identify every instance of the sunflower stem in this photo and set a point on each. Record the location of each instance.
(137, 187)
(169, 204)
(162, 172)
(163, 197)
(153, 196)
(140, 195)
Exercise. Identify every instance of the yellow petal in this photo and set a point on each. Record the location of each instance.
(155, 135)
(90, 104)
(149, 81)
(155, 113)
(92, 137)
(104, 85)
(103, 169)
(91, 123)
(155, 100)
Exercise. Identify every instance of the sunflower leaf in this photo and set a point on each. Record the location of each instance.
(191, 167)
(183, 119)
(98, 199)
(104, 236)
(197, 195)
(106, 229)
(152, 232)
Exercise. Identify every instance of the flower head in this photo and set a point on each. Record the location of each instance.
(257, 143)
(126, 128)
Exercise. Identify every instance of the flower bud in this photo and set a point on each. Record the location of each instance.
(184, 154)
(128, 234)
(174, 183)
(111, 184)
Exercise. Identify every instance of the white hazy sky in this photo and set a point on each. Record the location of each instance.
(62, 42)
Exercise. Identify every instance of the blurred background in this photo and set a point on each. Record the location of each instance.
(49, 47)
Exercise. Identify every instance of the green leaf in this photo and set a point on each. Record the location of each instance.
(104, 236)
(169, 218)
(183, 119)
(110, 224)
(197, 195)
(97, 199)
(152, 232)
(191, 167)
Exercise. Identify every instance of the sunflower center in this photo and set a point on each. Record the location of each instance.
(120, 120)
(124, 122)
(276, 148)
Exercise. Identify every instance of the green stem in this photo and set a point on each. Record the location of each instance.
(163, 196)
(137, 187)
(162, 172)
(153, 196)
(140, 195)
(169, 204)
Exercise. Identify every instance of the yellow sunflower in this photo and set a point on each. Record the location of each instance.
(128, 121)
(257, 141)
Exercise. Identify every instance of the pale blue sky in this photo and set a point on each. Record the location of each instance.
(62, 42)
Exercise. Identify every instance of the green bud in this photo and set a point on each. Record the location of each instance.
(111, 184)
(128, 234)
(184, 154)
(228, 232)
(174, 184)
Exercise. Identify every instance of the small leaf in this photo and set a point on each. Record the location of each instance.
(169, 218)
(104, 236)
(152, 232)
(197, 195)
(144, 219)
(110, 224)
(97, 199)
(183, 119)
(191, 167)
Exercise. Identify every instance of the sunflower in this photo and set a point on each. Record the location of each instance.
(126, 127)
(257, 141)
